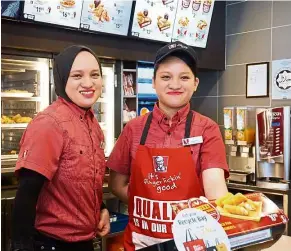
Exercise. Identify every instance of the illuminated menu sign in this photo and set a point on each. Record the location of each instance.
(63, 12)
(106, 16)
(192, 22)
(154, 19)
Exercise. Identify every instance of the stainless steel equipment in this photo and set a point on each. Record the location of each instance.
(273, 147)
(239, 140)
(24, 92)
(242, 164)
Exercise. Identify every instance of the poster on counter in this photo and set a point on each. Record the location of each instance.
(106, 16)
(192, 22)
(154, 19)
(194, 229)
(281, 79)
(62, 12)
(246, 219)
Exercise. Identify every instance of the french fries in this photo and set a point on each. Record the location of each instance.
(239, 206)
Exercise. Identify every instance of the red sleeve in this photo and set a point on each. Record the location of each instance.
(41, 146)
(213, 153)
(120, 157)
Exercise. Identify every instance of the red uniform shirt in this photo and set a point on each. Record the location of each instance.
(209, 154)
(64, 143)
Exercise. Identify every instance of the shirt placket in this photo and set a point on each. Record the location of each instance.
(89, 125)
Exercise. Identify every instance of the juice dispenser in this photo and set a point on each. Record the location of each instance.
(273, 147)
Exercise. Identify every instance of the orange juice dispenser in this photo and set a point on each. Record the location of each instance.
(273, 147)
(239, 134)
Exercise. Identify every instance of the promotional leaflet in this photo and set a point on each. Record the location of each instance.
(106, 16)
(246, 219)
(154, 19)
(62, 12)
(192, 22)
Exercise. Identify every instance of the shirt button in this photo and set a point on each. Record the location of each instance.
(169, 133)
(81, 117)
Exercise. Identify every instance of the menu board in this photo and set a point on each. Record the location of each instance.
(62, 12)
(10, 8)
(192, 22)
(106, 16)
(154, 19)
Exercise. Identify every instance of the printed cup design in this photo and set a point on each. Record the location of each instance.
(186, 3)
(196, 5)
(207, 6)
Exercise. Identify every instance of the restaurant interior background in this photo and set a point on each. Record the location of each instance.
(241, 33)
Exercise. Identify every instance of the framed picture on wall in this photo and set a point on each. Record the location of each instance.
(257, 76)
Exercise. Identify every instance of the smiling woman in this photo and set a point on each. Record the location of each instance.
(84, 85)
(169, 155)
(61, 164)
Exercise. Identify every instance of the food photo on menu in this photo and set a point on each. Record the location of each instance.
(106, 16)
(154, 19)
(143, 18)
(192, 22)
(62, 12)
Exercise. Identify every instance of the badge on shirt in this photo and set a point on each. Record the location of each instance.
(192, 141)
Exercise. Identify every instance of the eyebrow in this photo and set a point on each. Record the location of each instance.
(185, 72)
(80, 71)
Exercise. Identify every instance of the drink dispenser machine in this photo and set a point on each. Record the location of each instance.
(273, 147)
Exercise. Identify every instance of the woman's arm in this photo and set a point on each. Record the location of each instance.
(118, 184)
(23, 216)
(214, 183)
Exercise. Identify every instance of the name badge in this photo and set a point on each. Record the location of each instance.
(192, 141)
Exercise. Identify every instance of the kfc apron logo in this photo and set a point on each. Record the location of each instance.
(160, 164)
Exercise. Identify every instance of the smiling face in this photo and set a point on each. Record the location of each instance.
(174, 83)
(84, 85)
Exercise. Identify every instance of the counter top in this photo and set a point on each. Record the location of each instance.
(283, 244)
(257, 189)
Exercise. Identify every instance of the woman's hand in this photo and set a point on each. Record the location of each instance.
(104, 223)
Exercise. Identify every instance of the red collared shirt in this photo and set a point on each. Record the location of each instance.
(169, 134)
(64, 143)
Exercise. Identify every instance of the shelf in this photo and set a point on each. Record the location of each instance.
(129, 70)
(22, 98)
(132, 96)
(8, 170)
(14, 126)
(113, 234)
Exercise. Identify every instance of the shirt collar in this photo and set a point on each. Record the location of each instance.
(179, 116)
(78, 111)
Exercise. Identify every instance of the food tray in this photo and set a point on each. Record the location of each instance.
(120, 224)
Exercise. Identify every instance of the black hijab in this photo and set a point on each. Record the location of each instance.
(62, 67)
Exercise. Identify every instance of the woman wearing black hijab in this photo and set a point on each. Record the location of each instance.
(61, 164)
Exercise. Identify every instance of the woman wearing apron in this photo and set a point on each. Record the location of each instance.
(168, 155)
(61, 164)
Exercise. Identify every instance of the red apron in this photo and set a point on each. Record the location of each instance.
(159, 177)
